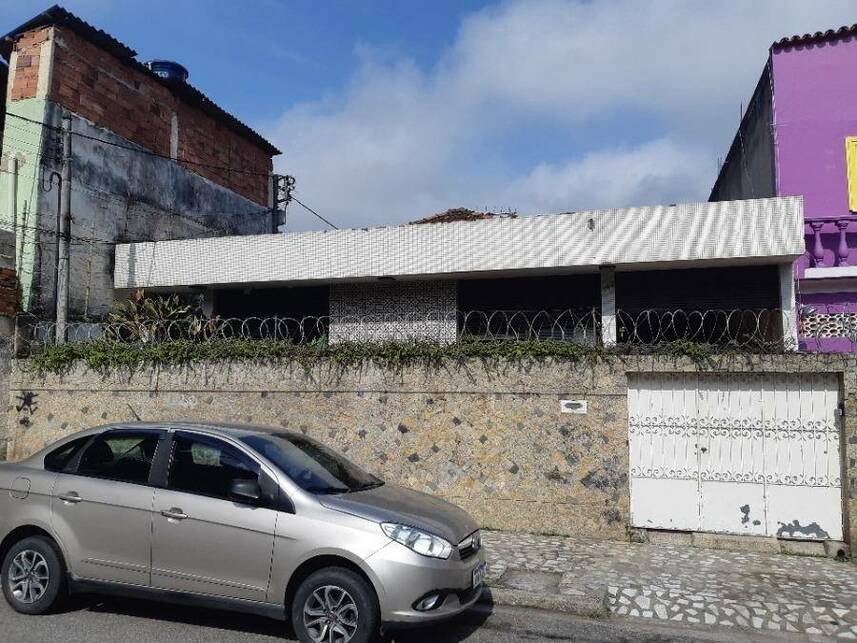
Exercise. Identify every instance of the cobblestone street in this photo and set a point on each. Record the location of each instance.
(749, 590)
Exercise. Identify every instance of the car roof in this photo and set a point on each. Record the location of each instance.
(234, 430)
(226, 428)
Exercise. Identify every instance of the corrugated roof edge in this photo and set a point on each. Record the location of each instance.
(818, 36)
(58, 16)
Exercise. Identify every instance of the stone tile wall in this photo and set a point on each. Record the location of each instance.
(489, 438)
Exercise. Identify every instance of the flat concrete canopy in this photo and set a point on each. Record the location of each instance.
(747, 232)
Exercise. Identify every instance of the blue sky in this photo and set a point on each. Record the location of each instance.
(389, 110)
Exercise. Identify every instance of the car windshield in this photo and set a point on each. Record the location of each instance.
(310, 464)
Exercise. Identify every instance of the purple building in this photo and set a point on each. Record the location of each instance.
(797, 138)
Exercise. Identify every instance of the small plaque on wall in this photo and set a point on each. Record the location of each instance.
(573, 406)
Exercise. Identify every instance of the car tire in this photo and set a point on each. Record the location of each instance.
(33, 576)
(339, 598)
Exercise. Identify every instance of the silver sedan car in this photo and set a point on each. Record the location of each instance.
(236, 517)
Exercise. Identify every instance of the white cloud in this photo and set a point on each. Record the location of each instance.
(606, 178)
(399, 142)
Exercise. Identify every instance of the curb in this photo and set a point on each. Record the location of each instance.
(593, 605)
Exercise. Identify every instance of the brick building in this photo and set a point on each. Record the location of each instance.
(152, 158)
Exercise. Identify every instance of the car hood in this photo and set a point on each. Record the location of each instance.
(392, 503)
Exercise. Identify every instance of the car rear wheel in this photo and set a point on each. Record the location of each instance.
(33, 575)
(335, 605)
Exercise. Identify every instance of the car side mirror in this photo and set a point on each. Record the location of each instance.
(246, 491)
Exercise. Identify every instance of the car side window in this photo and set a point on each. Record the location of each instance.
(125, 457)
(208, 467)
(57, 459)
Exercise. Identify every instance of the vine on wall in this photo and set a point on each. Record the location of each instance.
(107, 356)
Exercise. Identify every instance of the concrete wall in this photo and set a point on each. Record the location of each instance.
(491, 439)
(5, 370)
(748, 171)
(117, 195)
(4, 76)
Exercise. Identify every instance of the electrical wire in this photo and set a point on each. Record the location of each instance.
(309, 209)
(81, 187)
(140, 150)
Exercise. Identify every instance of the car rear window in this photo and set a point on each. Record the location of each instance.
(57, 459)
(125, 457)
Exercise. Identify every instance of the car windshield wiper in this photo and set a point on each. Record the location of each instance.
(326, 490)
(368, 485)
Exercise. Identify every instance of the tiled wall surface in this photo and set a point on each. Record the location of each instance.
(393, 310)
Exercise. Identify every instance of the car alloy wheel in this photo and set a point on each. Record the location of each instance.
(330, 615)
(29, 576)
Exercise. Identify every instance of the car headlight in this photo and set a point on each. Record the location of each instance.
(418, 540)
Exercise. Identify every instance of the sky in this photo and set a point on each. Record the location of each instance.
(390, 110)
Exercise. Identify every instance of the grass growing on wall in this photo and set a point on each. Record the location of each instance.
(107, 356)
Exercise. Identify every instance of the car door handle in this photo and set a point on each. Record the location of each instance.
(174, 514)
(70, 497)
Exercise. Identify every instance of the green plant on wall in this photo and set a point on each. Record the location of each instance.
(106, 355)
(147, 319)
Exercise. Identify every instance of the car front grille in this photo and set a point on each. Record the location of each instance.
(470, 545)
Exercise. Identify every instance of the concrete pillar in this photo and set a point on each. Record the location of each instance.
(174, 137)
(12, 211)
(208, 297)
(608, 305)
(788, 305)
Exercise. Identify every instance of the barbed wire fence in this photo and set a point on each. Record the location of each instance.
(744, 330)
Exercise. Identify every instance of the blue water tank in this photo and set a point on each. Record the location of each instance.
(168, 69)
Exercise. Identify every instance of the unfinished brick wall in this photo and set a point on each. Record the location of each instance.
(91, 82)
(121, 97)
(204, 140)
(25, 75)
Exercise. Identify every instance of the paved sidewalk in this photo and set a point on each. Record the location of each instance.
(751, 591)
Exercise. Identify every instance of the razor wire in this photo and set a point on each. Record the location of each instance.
(750, 330)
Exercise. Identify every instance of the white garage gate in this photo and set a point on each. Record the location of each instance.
(736, 453)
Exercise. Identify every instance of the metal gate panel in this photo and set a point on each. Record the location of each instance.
(731, 446)
(737, 453)
(802, 457)
(664, 457)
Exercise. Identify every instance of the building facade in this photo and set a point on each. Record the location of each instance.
(438, 281)
(152, 158)
(796, 138)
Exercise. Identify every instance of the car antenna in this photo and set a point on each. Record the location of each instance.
(134, 412)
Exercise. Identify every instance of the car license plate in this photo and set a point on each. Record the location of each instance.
(479, 574)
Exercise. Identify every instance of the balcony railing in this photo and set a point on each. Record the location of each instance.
(827, 243)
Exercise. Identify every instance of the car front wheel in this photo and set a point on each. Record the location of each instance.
(335, 605)
(33, 575)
